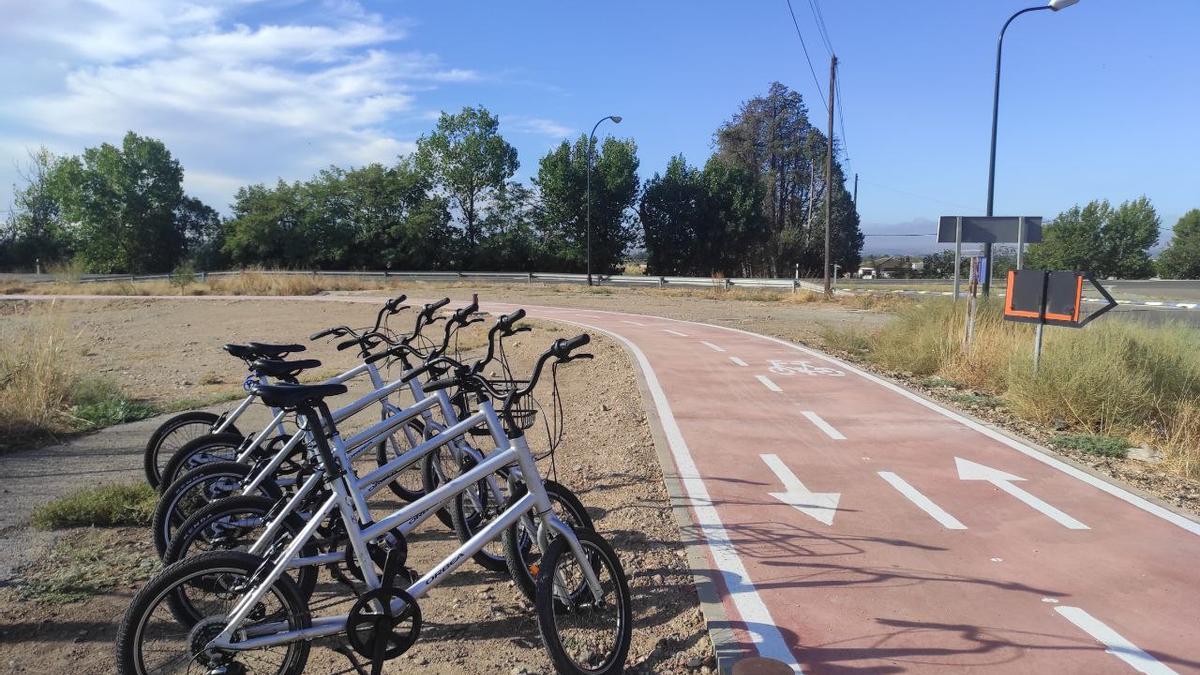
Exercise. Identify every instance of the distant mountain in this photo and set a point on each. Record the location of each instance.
(915, 237)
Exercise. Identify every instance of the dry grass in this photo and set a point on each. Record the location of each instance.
(249, 282)
(37, 374)
(1115, 377)
(43, 391)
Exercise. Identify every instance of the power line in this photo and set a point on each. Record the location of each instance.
(819, 18)
(804, 47)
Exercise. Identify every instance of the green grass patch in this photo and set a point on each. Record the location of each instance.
(1105, 446)
(939, 383)
(105, 506)
(99, 402)
(83, 564)
(974, 400)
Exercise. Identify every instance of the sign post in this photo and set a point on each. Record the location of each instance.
(1054, 298)
(987, 230)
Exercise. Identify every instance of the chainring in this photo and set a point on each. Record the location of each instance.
(381, 636)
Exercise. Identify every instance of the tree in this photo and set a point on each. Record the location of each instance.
(371, 217)
(1072, 241)
(128, 207)
(702, 222)
(1181, 259)
(35, 229)
(1100, 239)
(468, 158)
(510, 237)
(771, 138)
(562, 180)
(1127, 237)
(671, 210)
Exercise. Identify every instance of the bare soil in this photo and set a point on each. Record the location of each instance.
(474, 623)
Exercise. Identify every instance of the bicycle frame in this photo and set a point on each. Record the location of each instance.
(345, 498)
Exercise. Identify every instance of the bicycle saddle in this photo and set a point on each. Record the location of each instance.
(275, 351)
(290, 396)
(283, 369)
(259, 350)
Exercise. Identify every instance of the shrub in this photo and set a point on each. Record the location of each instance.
(105, 506)
(1105, 446)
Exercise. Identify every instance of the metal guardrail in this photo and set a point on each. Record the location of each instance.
(528, 277)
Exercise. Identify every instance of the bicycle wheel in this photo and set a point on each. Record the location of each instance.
(408, 484)
(234, 524)
(435, 468)
(582, 633)
(223, 447)
(520, 545)
(184, 606)
(172, 435)
(197, 488)
(474, 508)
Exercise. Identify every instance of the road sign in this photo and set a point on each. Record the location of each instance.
(989, 229)
(1055, 298)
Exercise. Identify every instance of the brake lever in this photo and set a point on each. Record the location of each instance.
(577, 356)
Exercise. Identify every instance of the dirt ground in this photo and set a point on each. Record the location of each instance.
(474, 623)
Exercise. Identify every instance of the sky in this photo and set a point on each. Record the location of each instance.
(1099, 100)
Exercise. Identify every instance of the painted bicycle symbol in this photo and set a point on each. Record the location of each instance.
(801, 368)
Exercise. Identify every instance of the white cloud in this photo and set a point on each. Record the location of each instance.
(537, 125)
(226, 93)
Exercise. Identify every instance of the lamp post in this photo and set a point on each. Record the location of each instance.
(591, 141)
(1053, 5)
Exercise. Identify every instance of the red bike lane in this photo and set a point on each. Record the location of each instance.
(851, 527)
(847, 525)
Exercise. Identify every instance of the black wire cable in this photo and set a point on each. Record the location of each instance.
(804, 47)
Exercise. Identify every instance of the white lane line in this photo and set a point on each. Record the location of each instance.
(823, 425)
(756, 618)
(924, 503)
(768, 383)
(674, 332)
(1114, 642)
(633, 323)
(968, 470)
(738, 362)
(711, 346)
(1053, 462)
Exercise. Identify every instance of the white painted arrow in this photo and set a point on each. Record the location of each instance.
(819, 505)
(968, 470)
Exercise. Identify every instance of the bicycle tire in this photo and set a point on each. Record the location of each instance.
(382, 457)
(196, 524)
(549, 608)
(169, 514)
(184, 459)
(152, 460)
(517, 546)
(166, 586)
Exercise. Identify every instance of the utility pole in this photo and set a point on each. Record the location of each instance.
(855, 190)
(829, 182)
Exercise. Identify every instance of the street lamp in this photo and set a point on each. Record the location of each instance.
(1054, 5)
(591, 141)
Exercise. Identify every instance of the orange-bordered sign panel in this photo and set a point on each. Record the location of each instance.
(1037, 296)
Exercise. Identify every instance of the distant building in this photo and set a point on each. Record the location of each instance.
(890, 267)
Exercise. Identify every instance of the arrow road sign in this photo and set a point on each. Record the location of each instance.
(968, 470)
(819, 505)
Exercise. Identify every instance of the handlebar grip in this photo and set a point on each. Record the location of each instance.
(440, 384)
(381, 355)
(347, 344)
(563, 347)
(393, 305)
(322, 333)
(435, 306)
